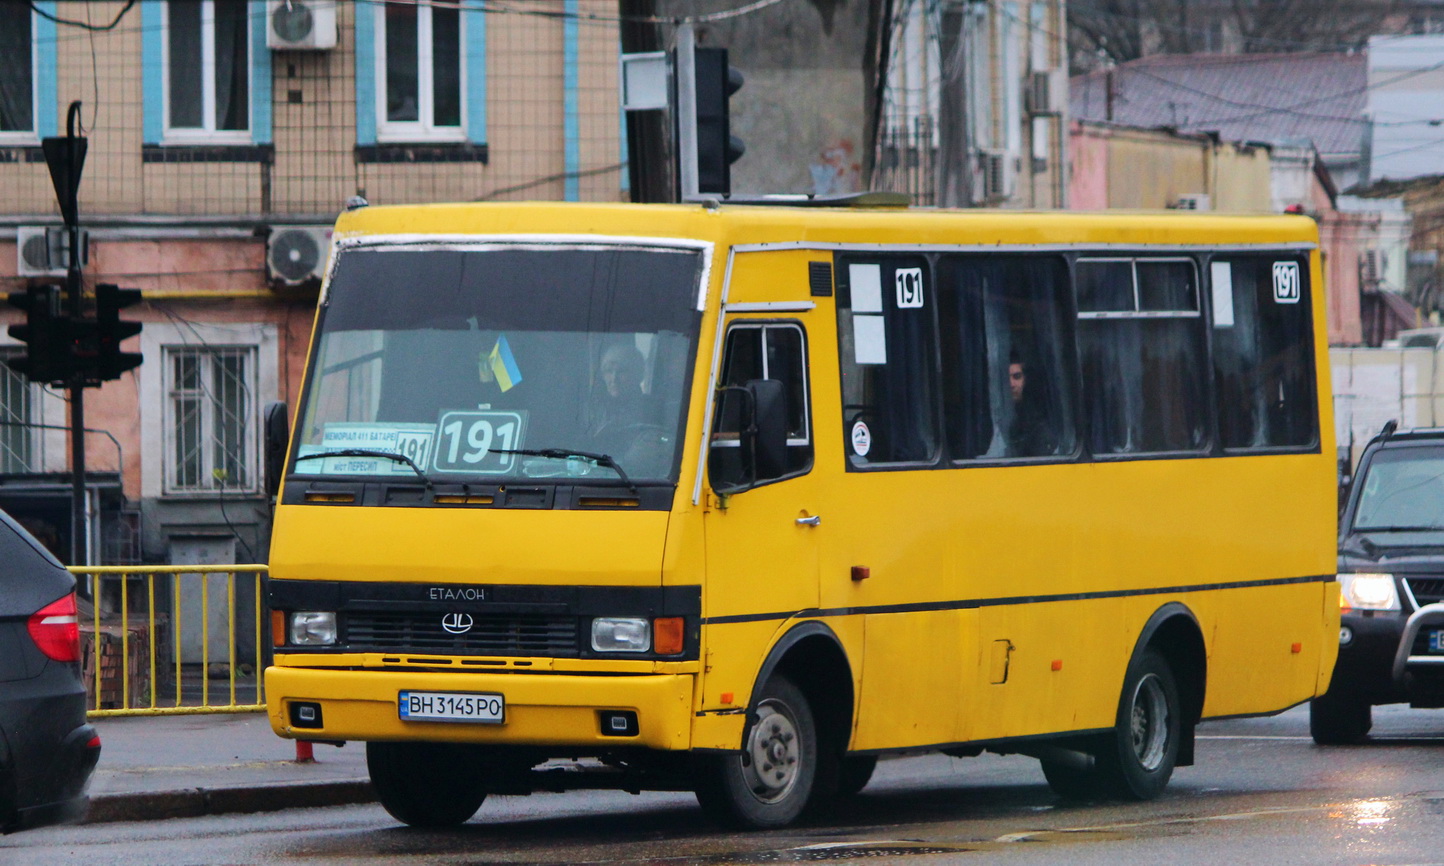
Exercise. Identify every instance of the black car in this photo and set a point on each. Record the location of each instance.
(47, 750)
(1391, 582)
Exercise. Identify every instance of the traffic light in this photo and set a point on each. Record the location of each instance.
(110, 330)
(717, 147)
(47, 357)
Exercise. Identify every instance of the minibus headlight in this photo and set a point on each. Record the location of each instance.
(1368, 592)
(313, 628)
(621, 634)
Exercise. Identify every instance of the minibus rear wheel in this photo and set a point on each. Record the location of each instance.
(769, 782)
(427, 784)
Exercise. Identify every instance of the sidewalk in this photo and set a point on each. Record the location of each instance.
(182, 766)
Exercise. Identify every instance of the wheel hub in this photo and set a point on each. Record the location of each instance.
(1148, 722)
(771, 763)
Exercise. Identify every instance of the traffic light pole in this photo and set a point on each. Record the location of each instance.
(79, 525)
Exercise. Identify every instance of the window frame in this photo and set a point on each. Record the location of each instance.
(806, 441)
(31, 136)
(843, 260)
(424, 129)
(207, 132)
(249, 426)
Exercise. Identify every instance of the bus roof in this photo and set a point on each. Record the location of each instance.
(757, 224)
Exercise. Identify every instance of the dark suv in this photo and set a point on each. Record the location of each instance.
(1391, 583)
(47, 751)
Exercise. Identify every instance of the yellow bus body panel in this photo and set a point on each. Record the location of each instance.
(540, 709)
(1001, 601)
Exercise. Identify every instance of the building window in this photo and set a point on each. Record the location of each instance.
(210, 420)
(17, 71)
(207, 71)
(420, 68)
(17, 412)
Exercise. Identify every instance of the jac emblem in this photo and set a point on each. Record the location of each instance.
(457, 623)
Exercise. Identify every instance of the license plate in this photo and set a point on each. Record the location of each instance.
(485, 709)
(1436, 641)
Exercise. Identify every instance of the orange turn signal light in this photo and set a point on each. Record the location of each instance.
(278, 628)
(667, 635)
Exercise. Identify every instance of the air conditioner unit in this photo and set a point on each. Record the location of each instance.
(1047, 92)
(1194, 201)
(297, 254)
(301, 25)
(44, 251)
(1371, 266)
(999, 169)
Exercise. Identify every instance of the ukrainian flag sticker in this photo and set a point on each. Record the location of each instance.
(503, 365)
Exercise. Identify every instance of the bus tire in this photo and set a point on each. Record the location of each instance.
(1074, 783)
(1340, 720)
(426, 784)
(1138, 757)
(771, 780)
(856, 772)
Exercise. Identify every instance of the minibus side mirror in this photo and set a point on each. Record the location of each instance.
(750, 444)
(276, 434)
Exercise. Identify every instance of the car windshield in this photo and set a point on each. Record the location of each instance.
(501, 362)
(1403, 491)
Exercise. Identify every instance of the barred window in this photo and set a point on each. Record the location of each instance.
(17, 408)
(210, 425)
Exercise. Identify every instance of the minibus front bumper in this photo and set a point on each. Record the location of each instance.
(562, 710)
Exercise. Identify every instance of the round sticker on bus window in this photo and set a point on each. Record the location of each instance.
(861, 439)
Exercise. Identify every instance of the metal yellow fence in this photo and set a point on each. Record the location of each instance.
(129, 651)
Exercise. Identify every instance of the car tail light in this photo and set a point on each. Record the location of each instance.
(55, 629)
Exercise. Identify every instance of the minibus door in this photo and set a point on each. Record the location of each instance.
(762, 520)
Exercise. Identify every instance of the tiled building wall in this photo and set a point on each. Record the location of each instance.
(313, 100)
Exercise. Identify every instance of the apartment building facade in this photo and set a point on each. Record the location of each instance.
(223, 138)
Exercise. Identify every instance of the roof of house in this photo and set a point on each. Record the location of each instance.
(1275, 98)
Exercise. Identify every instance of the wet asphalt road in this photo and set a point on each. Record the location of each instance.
(1261, 793)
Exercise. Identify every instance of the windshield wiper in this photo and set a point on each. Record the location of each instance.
(564, 453)
(1398, 528)
(367, 452)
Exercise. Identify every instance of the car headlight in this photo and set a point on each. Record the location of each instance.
(1368, 592)
(313, 628)
(621, 634)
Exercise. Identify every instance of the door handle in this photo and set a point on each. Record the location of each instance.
(814, 520)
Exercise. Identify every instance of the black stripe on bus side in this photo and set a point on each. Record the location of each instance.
(972, 603)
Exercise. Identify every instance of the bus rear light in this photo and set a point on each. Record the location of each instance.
(55, 629)
(667, 635)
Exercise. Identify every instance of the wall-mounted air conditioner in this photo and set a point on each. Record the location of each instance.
(296, 255)
(301, 25)
(1047, 92)
(1371, 266)
(44, 251)
(1194, 201)
(999, 170)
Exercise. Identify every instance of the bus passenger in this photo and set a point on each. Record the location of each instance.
(1030, 432)
(617, 400)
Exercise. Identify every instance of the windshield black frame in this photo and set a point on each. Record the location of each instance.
(614, 297)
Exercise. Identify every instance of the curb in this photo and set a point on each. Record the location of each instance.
(196, 802)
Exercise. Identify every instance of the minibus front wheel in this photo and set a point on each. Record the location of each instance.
(427, 784)
(769, 782)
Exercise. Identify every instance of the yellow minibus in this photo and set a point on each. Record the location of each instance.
(737, 499)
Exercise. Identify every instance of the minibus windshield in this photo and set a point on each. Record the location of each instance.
(490, 362)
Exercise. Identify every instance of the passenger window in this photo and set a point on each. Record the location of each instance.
(768, 351)
(1005, 372)
(888, 358)
(1262, 364)
(1140, 348)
